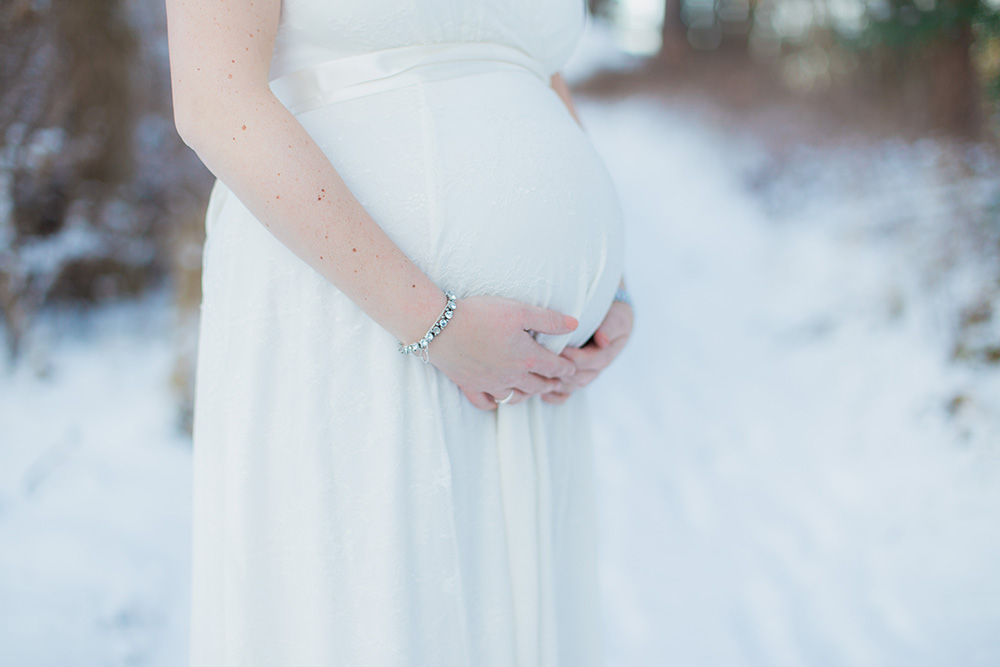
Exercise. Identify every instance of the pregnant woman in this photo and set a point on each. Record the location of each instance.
(410, 246)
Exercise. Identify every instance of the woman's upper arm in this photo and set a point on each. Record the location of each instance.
(220, 56)
(559, 85)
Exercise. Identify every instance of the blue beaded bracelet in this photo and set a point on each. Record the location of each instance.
(420, 347)
(623, 296)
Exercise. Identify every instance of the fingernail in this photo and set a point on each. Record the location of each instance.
(571, 322)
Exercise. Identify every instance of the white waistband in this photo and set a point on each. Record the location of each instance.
(346, 78)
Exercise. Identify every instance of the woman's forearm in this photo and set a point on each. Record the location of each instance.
(279, 173)
(226, 112)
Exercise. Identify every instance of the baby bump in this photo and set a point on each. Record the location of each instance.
(488, 183)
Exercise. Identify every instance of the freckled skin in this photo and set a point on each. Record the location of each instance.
(221, 92)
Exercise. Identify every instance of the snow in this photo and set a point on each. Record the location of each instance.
(43, 256)
(94, 495)
(780, 481)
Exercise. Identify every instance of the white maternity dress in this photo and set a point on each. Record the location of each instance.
(351, 507)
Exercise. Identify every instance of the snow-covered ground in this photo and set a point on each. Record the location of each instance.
(780, 480)
(95, 487)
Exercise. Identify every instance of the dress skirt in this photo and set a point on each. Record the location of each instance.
(351, 507)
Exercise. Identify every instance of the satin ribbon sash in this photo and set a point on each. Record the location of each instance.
(378, 71)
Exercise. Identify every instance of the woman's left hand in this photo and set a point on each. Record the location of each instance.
(606, 343)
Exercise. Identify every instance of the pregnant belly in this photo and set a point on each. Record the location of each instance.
(488, 183)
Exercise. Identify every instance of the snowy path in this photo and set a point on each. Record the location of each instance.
(778, 484)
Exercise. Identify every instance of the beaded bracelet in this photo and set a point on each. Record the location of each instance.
(623, 296)
(420, 347)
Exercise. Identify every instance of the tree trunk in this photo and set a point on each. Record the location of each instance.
(674, 33)
(953, 81)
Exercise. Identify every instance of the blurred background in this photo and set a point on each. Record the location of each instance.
(798, 453)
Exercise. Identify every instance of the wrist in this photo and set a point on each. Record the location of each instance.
(420, 347)
(417, 311)
(622, 296)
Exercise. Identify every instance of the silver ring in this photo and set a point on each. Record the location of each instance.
(506, 398)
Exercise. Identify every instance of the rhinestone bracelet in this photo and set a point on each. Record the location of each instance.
(623, 296)
(420, 347)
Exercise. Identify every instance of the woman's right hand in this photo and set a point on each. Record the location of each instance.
(487, 349)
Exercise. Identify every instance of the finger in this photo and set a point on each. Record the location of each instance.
(573, 353)
(602, 357)
(532, 383)
(585, 358)
(518, 397)
(617, 331)
(593, 358)
(583, 378)
(564, 387)
(617, 323)
(551, 365)
(555, 397)
(606, 355)
(548, 321)
(612, 328)
(500, 395)
(480, 400)
(617, 344)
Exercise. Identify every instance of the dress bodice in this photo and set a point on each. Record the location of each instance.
(315, 31)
